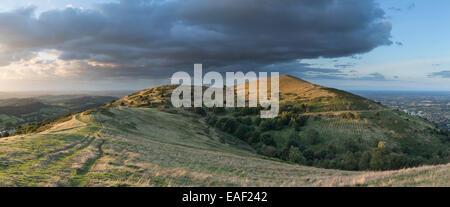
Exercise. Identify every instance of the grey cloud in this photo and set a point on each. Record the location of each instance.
(374, 76)
(442, 74)
(155, 38)
(339, 75)
(348, 65)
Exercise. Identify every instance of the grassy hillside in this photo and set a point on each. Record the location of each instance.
(147, 147)
(140, 140)
(322, 127)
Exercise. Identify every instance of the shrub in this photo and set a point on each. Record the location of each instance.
(211, 119)
(364, 161)
(379, 160)
(200, 111)
(312, 137)
(267, 139)
(243, 131)
(349, 162)
(285, 118)
(350, 145)
(270, 151)
(245, 120)
(296, 156)
(397, 161)
(230, 125)
(267, 124)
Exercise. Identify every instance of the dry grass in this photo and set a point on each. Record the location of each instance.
(161, 151)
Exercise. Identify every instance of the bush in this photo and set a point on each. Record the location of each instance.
(349, 162)
(245, 120)
(267, 139)
(211, 119)
(350, 145)
(221, 122)
(312, 137)
(285, 118)
(397, 161)
(296, 156)
(230, 125)
(243, 132)
(267, 124)
(379, 160)
(364, 161)
(200, 111)
(270, 151)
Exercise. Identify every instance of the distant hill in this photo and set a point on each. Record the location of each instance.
(16, 111)
(140, 140)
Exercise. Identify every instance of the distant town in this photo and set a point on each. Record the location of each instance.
(434, 106)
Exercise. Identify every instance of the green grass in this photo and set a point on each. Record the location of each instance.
(12, 120)
(167, 149)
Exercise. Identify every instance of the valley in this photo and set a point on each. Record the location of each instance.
(24, 115)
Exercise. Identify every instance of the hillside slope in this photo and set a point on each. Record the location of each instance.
(140, 140)
(148, 147)
(326, 127)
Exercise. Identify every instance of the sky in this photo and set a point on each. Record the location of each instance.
(136, 44)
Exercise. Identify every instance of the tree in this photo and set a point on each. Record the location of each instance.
(221, 122)
(379, 159)
(397, 161)
(312, 137)
(230, 125)
(211, 119)
(267, 139)
(381, 145)
(270, 151)
(349, 162)
(285, 117)
(267, 124)
(350, 145)
(243, 131)
(364, 161)
(200, 111)
(296, 156)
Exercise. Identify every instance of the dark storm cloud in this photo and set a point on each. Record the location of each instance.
(155, 38)
(442, 74)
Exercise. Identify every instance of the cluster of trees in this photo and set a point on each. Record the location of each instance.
(306, 147)
(350, 156)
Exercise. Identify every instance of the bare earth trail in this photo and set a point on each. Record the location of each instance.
(148, 147)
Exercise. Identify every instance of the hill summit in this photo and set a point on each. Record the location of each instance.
(319, 126)
(314, 98)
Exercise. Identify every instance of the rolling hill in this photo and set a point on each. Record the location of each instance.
(140, 140)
